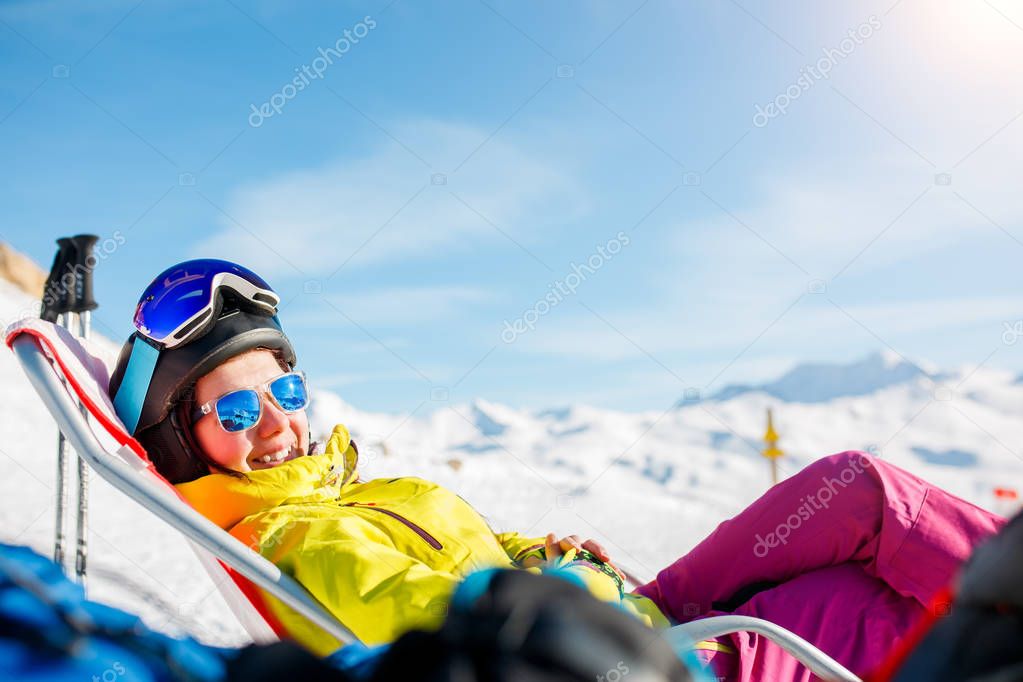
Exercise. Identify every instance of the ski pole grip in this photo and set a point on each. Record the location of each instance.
(59, 287)
(85, 263)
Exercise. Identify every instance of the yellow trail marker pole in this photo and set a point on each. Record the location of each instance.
(771, 450)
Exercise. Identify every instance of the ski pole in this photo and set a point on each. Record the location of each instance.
(63, 484)
(83, 305)
(54, 308)
(58, 292)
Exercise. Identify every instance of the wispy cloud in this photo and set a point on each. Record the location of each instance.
(388, 207)
(679, 352)
(403, 307)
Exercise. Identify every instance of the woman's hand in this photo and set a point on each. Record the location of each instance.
(555, 548)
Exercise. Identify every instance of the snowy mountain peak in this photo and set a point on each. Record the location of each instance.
(821, 382)
(886, 357)
(558, 414)
(487, 419)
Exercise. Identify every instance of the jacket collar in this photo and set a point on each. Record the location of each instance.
(226, 499)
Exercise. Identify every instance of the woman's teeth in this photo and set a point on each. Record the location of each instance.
(275, 457)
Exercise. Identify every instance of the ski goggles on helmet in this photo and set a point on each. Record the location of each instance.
(184, 300)
(241, 409)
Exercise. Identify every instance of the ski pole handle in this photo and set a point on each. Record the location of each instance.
(84, 264)
(58, 291)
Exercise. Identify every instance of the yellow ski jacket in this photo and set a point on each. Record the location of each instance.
(385, 555)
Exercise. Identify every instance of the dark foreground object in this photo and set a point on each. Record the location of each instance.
(514, 625)
(980, 638)
(502, 625)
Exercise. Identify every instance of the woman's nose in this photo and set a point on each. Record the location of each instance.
(273, 421)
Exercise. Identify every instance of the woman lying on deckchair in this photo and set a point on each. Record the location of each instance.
(847, 553)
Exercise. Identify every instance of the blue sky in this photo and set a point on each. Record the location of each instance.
(457, 163)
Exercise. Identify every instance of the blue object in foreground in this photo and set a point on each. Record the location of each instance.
(49, 631)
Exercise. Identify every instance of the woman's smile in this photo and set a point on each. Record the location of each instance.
(270, 460)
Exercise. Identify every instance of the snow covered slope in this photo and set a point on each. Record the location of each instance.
(648, 485)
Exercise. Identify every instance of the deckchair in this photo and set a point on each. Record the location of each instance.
(65, 371)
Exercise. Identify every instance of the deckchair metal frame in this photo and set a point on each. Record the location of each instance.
(126, 471)
(819, 663)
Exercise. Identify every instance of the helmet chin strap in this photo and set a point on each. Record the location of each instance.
(195, 461)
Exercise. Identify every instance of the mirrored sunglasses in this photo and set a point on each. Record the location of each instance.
(241, 409)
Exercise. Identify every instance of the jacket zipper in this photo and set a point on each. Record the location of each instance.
(429, 539)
